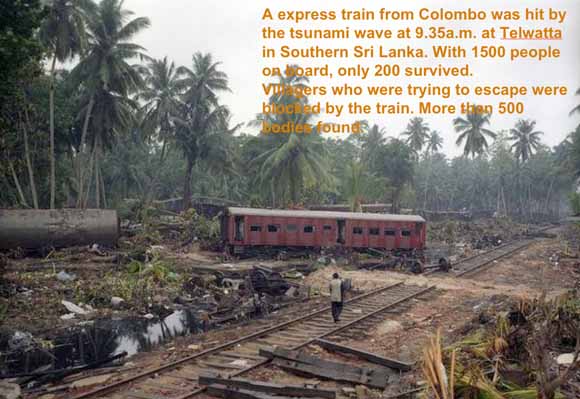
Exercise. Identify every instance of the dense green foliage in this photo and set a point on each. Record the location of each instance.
(125, 125)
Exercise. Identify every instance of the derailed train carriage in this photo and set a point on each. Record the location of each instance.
(401, 237)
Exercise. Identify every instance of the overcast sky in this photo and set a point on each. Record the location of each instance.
(230, 30)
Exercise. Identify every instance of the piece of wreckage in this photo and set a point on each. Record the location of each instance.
(401, 238)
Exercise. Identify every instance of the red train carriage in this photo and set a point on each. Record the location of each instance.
(249, 227)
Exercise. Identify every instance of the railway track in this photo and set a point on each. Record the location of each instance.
(178, 380)
(479, 262)
(476, 263)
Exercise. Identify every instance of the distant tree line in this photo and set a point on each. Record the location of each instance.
(121, 124)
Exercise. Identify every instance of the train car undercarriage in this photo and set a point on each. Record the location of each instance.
(411, 260)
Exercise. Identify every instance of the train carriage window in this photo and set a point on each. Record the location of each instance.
(327, 227)
(255, 228)
(406, 233)
(291, 228)
(374, 231)
(390, 232)
(309, 229)
(273, 228)
(357, 230)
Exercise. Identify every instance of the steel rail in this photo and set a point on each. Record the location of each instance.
(111, 387)
(321, 336)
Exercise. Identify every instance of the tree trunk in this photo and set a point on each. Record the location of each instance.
(547, 206)
(35, 229)
(97, 171)
(103, 191)
(85, 200)
(395, 200)
(82, 145)
(25, 126)
(186, 204)
(427, 182)
(273, 189)
(52, 159)
(17, 184)
(152, 192)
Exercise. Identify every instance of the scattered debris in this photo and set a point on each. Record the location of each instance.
(265, 280)
(71, 307)
(9, 390)
(117, 301)
(64, 276)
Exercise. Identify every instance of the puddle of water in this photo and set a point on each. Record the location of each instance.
(98, 340)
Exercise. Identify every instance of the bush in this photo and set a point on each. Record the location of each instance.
(575, 203)
(201, 228)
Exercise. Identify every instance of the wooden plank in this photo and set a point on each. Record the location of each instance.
(222, 391)
(374, 381)
(291, 360)
(370, 357)
(275, 389)
(318, 362)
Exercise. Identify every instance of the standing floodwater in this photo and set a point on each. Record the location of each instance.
(94, 342)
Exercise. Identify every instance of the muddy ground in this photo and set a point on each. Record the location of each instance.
(153, 276)
(453, 307)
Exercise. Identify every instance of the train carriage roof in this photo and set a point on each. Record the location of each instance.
(380, 217)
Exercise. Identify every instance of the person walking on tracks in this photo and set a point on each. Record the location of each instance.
(336, 296)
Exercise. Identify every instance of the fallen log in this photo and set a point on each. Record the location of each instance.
(221, 391)
(370, 357)
(57, 228)
(265, 387)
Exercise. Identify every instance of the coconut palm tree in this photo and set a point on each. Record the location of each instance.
(161, 95)
(354, 185)
(472, 131)
(526, 140)
(417, 133)
(106, 74)
(395, 164)
(63, 31)
(292, 165)
(434, 142)
(202, 127)
(371, 142)
(289, 162)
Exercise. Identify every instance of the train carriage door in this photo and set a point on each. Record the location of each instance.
(341, 228)
(374, 236)
(405, 238)
(419, 239)
(390, 238)
(329, 235)
(239, 228)
(291, 233)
